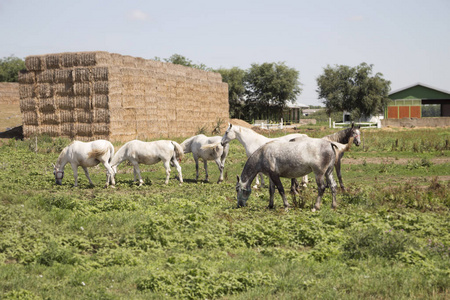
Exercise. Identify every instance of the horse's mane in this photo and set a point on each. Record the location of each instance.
(340, 136)
(63, 153)
(186, 144)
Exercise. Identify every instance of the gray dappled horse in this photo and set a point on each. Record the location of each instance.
(291, 160)
(149, 153)
(207, 148)
(85, 155)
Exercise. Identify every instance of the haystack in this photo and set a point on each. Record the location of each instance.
(92, 95)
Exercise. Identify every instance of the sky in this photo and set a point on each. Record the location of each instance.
(408, 41)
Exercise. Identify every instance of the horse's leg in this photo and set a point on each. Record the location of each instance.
(75, 173)
(271, 193)
(304, 181)
(321, 189)
(167, 167)
(177, 165)
(275, 179)
(137, 172)
(109, 175)
(332, 184)
(220, 166)
(294, 190)
(196, 167)
(87, 175)
(205, 164)
(338, 172)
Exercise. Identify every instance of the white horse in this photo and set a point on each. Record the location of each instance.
(85, 155)
(291, 160)
(207, 148)
(252, 140)
(149, 153)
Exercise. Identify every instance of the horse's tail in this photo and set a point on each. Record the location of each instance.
(214, 146)
(111, 153)
(186, 145)
(339, 148)
(179, 153)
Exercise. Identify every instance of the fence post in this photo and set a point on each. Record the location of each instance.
(329, 121)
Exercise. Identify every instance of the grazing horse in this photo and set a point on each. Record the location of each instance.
(85, 155)
(291, 160)
(207, 148)
(149, 153)
(252, 140)
(342, 137)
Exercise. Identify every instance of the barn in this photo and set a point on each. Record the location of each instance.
(93, 95)
(417, 101)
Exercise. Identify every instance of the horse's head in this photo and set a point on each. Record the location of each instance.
(243, 192)
(356, 134)
(59, 175)
(228, 136)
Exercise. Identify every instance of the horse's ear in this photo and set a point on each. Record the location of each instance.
(53, 165)
(238, 179)
(230, 125)
(353, 124)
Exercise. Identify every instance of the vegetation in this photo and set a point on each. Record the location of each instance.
(353, 89)
(389, 237)
(10, 67)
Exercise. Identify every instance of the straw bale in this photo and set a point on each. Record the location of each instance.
(129, 62)
(100, 129)
(81, 74)
(82, 102)
(83, 115)
(101, 115)
(67, 116)
(26, 91)
(101, 87)
(35, 63)
(67, 103)
(44, 90)
(28, 104)
(49, 118)
(100, 101)
(69, 60)
(100, 74)
(30, 130)
(63, 89)
(52, 61)
(46, 105)
(67, 129)
(30, 118)
(63, 75)
(46, 76)
(82, 129)
(86, 59)
(81, 89)
(26, 77)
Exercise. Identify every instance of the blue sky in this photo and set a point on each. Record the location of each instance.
(406, 41)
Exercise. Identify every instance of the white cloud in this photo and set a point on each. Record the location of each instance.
(137, 15)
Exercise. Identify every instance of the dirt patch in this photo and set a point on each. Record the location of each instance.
(390, 160)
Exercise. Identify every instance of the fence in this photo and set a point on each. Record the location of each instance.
(362, 124)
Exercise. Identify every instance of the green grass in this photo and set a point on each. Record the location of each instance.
(388, 238)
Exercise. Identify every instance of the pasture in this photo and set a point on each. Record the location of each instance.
(388, 238)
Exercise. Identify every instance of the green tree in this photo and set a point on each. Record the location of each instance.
(236, 90)
(353, 89)
(184, 61)
(269, 87)
(10, 67)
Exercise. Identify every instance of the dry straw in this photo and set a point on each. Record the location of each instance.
(88, 95)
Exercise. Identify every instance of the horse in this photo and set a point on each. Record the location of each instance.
(341, 137)
(85, 155)
(207, 148)
(252, 140)
(291, 160)
(149, 153)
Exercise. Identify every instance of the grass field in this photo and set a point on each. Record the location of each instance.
(388, 239)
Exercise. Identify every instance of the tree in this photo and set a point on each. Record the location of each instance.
(236, 89)
(269, 87)
(353, 89)
(10, 67)
(178, 59)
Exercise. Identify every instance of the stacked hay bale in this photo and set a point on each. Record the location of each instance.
(92, 95)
